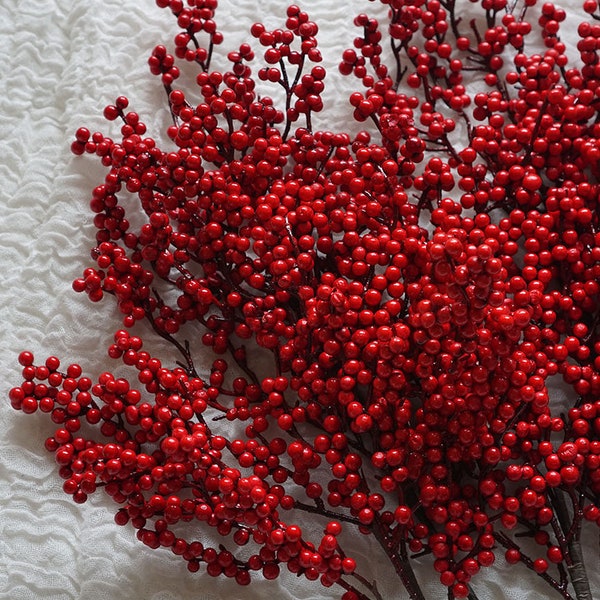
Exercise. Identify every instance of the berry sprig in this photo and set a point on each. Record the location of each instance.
(387, 310)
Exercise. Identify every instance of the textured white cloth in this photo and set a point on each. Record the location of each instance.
(61, 62)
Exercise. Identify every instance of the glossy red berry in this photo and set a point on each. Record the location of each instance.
(388, 309)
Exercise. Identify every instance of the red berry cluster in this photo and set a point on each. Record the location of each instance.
(391, 312)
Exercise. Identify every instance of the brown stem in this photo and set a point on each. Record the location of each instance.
(399, 559)
(350, 588)
(508, 543)
(321, 510)
(574, 556)
(398, 556)
(184, 348)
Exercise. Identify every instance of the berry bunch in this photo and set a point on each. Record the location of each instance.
(389, 311)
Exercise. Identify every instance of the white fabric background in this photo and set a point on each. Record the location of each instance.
(61, 62)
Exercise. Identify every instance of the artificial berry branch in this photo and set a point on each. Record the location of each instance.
(388, 311)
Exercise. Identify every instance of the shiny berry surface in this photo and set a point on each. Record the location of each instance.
(387, 309)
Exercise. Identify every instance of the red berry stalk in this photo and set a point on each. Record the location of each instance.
(389, 311)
